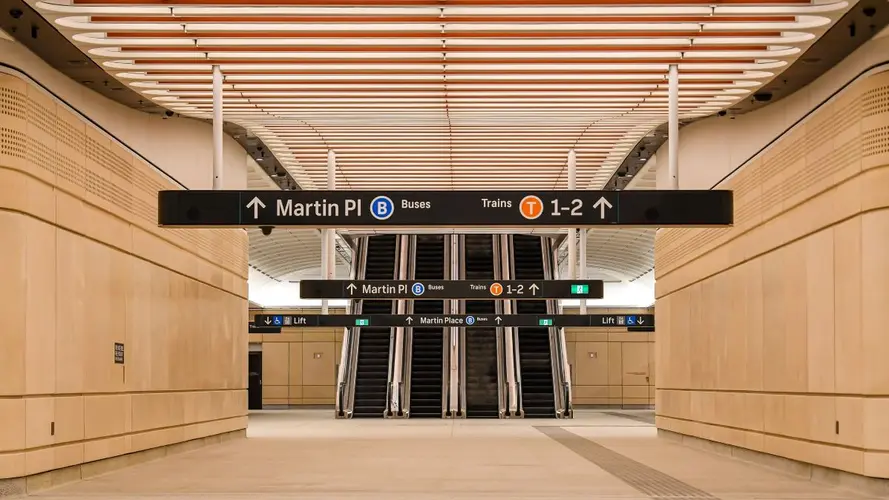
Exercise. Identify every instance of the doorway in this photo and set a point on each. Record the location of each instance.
(254, 387)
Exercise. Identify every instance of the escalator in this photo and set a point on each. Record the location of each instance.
(426, 355)
(535, 357)
(482, 398)
(372, 372)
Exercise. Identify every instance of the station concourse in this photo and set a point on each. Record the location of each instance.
(608, 249)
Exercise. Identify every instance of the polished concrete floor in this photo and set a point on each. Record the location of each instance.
(306, 454)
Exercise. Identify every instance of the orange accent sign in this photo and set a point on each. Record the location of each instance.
(531, 207)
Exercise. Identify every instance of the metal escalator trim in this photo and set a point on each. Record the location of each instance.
(407, 269)
(446, 336)
(459, 307)
(407, 333)
(513, 333)
(396, 351)
(558, 347)
(355, 308)
(501, 334)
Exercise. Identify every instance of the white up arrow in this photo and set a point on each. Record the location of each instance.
(533, 288)
(256, 204)
(602, 204)
(409, 320)
(498, 319)
(351, 288)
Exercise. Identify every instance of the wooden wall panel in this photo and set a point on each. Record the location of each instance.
(84, 266)
(781, 318)
(298, 376)
(611, 366)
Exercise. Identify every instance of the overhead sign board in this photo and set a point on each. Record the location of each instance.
(451, 289)
(630, 321)
(354, 209)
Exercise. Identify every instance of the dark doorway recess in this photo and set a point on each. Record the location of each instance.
(254, 389)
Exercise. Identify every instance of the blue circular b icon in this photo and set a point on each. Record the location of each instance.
(418, 289)
(470, 320)
(382, 207)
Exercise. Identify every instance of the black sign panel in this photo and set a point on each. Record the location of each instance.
(253, 328)
(631, 321)
(442, 289)
(345, 209)
(118, 353)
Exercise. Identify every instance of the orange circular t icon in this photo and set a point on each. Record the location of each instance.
(531, 207)
(496, 289)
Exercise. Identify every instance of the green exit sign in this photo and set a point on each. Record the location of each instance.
(545, 322)
(580, 289)
(362, 322)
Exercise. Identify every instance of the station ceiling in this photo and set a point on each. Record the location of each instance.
(447, 94)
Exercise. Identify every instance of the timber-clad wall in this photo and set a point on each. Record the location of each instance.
(85, 266)
(772, 334)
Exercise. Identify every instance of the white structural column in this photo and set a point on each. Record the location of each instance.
(572, 232)
(217, 128)
(328, 259)
(331, 233)
(673, 127)
(581, 274)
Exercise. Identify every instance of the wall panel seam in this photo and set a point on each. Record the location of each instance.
(125, 252)
(123, 434)
(777, 393)
(121, 393)
(770, 434)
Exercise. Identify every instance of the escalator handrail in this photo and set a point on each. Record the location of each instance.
(509, 244)
(407, 357)
(351, 339)
(558, 347)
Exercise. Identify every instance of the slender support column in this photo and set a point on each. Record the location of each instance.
(331, 233)
(582, 271)
(328, 250)
(217, 128)
(673, 127)
(572, 233)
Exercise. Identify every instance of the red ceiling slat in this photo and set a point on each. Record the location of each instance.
(554, 60)
(437, 71)
(476, 48)
(479, 34)
(364, 19)
(437, 3)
